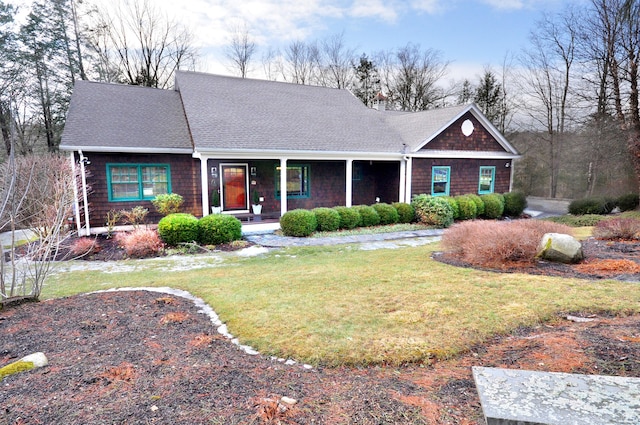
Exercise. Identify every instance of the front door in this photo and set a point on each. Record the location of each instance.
(234, 187)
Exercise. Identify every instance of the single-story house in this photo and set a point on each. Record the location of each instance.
(217, 140)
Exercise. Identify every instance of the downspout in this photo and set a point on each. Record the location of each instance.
(511, 162)
(76, 204)
(85, 198)
(349, 188)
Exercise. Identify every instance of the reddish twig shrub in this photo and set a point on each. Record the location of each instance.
(618, 228)
(140, 243)
(492, 243)
(85, 246)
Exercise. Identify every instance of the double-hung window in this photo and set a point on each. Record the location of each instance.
(440, 180)
(486, 180)
(297, 181)
(136, 182)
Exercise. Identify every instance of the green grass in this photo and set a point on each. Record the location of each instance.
(373, 230)
(340, 305)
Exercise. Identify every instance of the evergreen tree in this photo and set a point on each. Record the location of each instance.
(367, 84)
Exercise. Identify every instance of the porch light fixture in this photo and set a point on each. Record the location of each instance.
(507, 165)
(253, 171)
(214, 172)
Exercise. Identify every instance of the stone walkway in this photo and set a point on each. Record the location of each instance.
(276, 241)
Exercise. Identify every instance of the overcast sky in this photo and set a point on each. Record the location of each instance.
(471, 34)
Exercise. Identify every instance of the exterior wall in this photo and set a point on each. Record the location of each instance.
(453, 139)
(377, 180)
(465, 174)
(185, 180)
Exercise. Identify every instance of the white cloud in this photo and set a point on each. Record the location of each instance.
(379, 9)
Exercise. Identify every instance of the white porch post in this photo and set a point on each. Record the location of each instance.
(204, 176)
(283, 186)
(76, 202)
(349, 188)
(85, 198)
(403, 180)
(407, 193)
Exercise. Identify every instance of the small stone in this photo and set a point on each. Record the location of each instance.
(154, 408)
(288, 400)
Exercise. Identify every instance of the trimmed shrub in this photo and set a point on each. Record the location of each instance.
(140, 243)
(387, 213)
(299, 223)
(589, 206)
(479, 203)
(178, 228)
(454, 206)
(495, 243)
(217, 229)
(167, 203)
(514, 204)
(85, 246)
(368, 216)
(406, 213)
(432, 210)
(493, 205)
(349, 217)
(577, 220)
(467, 209)
(328, 219)
(628, 202)
(618, 228)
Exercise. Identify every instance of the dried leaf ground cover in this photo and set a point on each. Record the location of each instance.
(146, 358)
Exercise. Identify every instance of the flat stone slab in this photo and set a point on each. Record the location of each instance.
(522, 397)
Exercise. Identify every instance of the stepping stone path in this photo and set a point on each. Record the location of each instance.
(522, 397)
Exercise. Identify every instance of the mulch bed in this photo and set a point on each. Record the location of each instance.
(140, 357)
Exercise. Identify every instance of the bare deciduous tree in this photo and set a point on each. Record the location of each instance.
(300, 62)
(336, 62)
(141, 45)
(241, 49)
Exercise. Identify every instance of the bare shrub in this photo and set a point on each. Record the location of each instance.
(618, 228)
(492, 244)
(85, 246)
(140, 243)
(135, 216)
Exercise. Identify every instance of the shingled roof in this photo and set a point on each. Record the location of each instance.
(122, 118)
(230, 113)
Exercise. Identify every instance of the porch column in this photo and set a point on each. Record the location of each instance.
(204, 177)
(403, 179)
(283, 186)
(76, 201)
(407, 193)
(85, 199)
(349, 188)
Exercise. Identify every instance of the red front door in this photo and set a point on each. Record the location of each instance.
(234, 187)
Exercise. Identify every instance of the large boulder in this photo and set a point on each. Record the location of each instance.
(560, 248)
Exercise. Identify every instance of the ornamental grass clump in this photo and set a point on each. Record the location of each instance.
(349, 217)
(85, 246)
(467, 209)
(217, 229)
(368, 216)
(178, 228)
(328, 219)
(406, 213)
(618, 229)
(298, 223)
(140, 243)
(493, 205)
(388, 214)
(432, 210)
(495, 244)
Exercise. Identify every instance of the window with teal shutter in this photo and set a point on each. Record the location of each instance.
(137, 182)
(440, 179)
(486, 180)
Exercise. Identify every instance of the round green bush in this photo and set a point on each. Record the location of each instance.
(493, 205)
(328, 219)
(432, 210)
(593, 205)
(178, 228)
(388, 214)
(514, 204)
(368, 216)
(628, 202)
(467, 209)
(217, 229)
(454, 206)
(349, 217)
(406, 213)
(299, 223)
(478, 202)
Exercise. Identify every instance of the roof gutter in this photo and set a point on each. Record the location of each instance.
(116, 149)
(296, 154)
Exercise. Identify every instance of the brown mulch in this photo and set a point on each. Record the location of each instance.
(147, 358)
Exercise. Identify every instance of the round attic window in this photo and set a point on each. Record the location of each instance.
(467, 128)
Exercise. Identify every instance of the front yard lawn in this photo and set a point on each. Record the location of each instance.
(340, 305)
